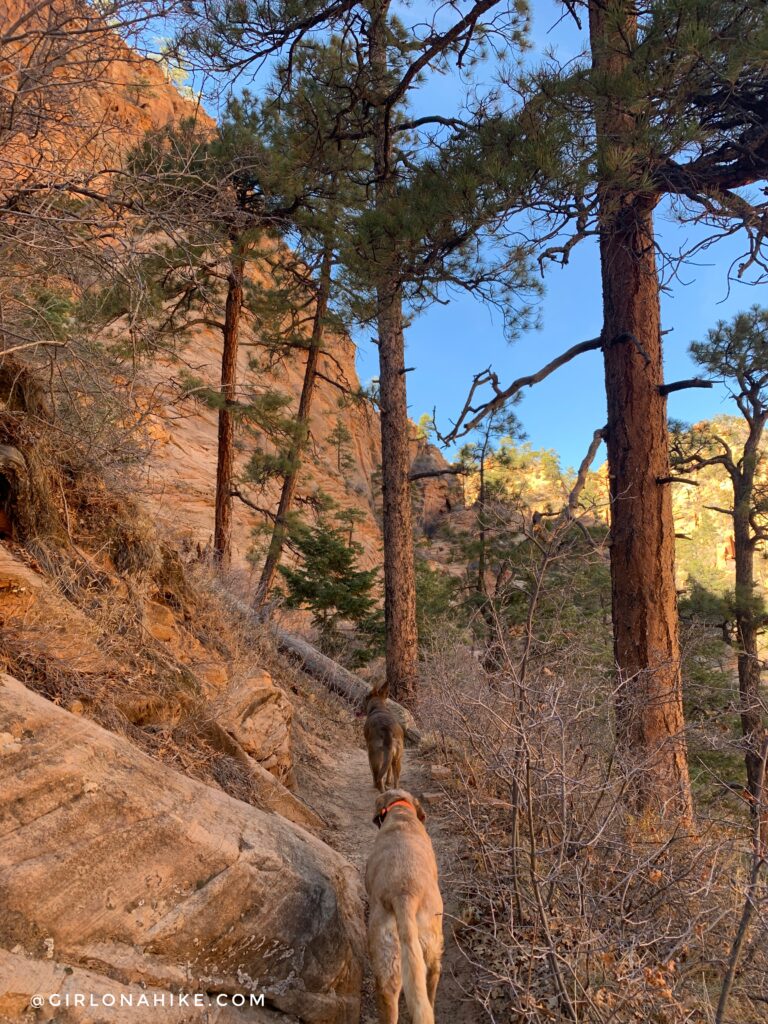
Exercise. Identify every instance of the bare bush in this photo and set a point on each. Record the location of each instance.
(570, 905)
(571, 908)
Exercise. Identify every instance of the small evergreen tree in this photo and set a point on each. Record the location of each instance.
(348, 518)
(437, 604)
(474, 457)
(340, 439)
(330, 583)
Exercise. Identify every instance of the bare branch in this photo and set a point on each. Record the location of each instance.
(429, 473)
(49, 343)
(501, 396)
(581, 477)
(681, 385)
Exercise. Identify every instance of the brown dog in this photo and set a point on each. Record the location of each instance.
(405, 924)
(384, 738)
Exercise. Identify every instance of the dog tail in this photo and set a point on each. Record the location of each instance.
(414, 967)
(386, 761)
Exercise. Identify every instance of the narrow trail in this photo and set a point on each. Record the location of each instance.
(344, 794)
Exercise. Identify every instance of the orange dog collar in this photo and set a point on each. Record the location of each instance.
(379, 819)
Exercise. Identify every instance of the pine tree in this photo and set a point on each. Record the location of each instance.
(736, 354)
(675, 92)
(329, 582)
(339, 439)
(392, 254)
(201, 193)
(474, 457)
(318, 178)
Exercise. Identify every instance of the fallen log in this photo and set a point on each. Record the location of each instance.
(340, 680)
(337, 678)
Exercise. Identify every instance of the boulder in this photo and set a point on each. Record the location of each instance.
(113, 863)
(74, 996)
(258, 715)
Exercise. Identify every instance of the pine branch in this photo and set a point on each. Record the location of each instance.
(252, 505)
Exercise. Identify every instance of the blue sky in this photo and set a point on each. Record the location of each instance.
(447, 345)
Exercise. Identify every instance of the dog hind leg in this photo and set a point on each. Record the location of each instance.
(433, 977)
(414, 966)
(384, 949)
(385, 767)
(386, 1004)
(397, 761)
(375, 760)
(380, 778)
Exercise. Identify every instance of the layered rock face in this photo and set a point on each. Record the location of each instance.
(181, 471)
(113, 864)
(257, 714)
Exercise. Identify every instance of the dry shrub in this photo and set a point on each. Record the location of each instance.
(569, 907)
(148, 695)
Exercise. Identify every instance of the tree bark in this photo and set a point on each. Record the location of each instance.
(222, 533)
(748, 622)
(482, 590)
(747, 631)
(649, 707)
(399, 572)
(291, 479)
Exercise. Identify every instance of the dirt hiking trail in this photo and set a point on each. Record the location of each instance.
(334, 778)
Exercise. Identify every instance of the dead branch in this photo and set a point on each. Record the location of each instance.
(581, 477)
(478, 413)
(750, 899)
(676, 480)
(681, 385)
(48, 343)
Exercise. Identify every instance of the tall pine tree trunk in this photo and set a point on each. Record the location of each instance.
(748, 627)
(748, 658)
(399, 573)
(482, 590)
(291, 479)
(222, 533)
(649, 707)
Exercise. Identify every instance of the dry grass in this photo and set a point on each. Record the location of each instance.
(105, 568)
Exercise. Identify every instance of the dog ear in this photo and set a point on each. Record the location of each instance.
(419, 811)
(379, 690)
